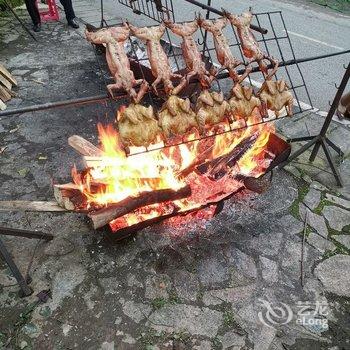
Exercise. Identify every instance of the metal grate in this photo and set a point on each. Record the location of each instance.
(155, 9)
(275, 43)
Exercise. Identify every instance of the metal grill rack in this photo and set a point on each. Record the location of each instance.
(154, 9)
(273, 38)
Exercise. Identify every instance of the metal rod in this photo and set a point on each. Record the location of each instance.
(25, 233)
(25, 289)
(336, 101)
(331, 163)
(220, 13)
(331, 112)
(104, 97)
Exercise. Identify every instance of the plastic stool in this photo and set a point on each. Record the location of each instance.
(51, 14)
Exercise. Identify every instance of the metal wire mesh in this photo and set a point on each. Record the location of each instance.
(155, 9)
(275, 43)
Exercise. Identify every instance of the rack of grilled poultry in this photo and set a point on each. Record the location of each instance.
(141, 125)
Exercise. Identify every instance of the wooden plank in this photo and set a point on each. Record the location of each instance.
(2, 106)
(10, 92)
(42, 206)
(4, 95)
(84, 147)
(5, 82)
(4, 72)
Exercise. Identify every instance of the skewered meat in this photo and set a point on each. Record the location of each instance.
(138, 125)
(158, 59)
(211, 109)
(243, 102)
(193, 58)
(250, 46)
(118, 62)
(223, 52)
(275, 95)
(176, 116)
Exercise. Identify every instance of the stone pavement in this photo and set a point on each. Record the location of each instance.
(233, 282)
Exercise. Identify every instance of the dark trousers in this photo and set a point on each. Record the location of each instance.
(34, 12)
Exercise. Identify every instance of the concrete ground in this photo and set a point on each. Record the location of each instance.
(233, 282)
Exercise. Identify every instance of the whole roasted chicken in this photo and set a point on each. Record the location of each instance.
(176, 116)
(222, 48)
(243, 102)
(158, 59)
(211, 109)
(137, 125)
(114, 38)
(193, 58)
(250, 46)
(275, 95)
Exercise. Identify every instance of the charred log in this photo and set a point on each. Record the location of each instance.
(103, 216)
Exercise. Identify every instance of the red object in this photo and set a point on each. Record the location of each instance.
(51, 14)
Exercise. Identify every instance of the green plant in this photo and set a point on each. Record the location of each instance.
(228, 318)
(158, 303)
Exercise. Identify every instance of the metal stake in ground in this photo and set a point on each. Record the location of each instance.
(321, 139)
(22, 282)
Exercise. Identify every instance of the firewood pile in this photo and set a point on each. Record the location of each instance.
(7, 81)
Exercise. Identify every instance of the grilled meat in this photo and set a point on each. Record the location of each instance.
(243, 102)
(176, 116)
(138, 125)
(114, 38)
(158, 59)
(250, 46)
(223, 52)
(193, 58)
(275, 95)
(211, 109)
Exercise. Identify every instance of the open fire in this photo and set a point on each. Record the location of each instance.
(199, 152)
(124, 191)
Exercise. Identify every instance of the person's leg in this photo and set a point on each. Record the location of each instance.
(68, 9)
(33, 11)
(34, 14)
(70, 15)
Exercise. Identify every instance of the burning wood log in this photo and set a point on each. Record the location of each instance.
(84, 147)
(103, 216)
(69, 196)
(220, 166)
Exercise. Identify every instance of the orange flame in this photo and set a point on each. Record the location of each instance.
(115, 176)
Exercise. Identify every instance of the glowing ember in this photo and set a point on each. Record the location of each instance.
(119, 176)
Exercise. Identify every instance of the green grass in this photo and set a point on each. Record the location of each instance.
(158, 303)
(12, 3)
(229, 320)
(321, 205)
(337, 5)
(294, 208)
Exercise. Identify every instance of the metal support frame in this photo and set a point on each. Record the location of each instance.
(209, 8)
(321, 139)
(103, 21)
(25, 289)
(104, 97)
